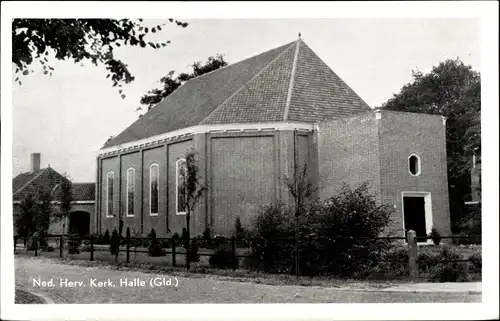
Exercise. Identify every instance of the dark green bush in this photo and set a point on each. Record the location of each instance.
(207, 237)
(393, 262)
(105, 238)
(114, 243)
(155, 248)
(74, 243)
(331, 234)
(435, 236)
(223, 258)
(192, 252)
(476, 261)
(451, 267)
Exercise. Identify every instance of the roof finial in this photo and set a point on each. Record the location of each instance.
(300, 34)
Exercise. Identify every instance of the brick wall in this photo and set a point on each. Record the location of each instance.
(109, 223)
(348, 153)
(176, 222)
(402, 134)
(243, 178)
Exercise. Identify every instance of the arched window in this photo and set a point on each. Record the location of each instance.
(180, 186)
(154, 179)
(109, 194)
(414, 165)
(130, 191)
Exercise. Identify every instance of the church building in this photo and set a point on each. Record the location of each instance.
(251, 124)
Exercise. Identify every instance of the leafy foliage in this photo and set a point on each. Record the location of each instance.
(74, 243)
(114, 245)
(170, 83)
(435, 236)
(80, 40)
(105, 238)
(453, 90)
(155, 248)
(35, 214)
(65, 199)
(332, 235)
(451, 267)
(223, 258)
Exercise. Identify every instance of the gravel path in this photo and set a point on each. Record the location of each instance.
(31, 272)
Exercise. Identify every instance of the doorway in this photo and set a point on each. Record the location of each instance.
(417, 214)
(79, 223)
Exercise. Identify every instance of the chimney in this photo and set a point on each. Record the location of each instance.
(35, 162)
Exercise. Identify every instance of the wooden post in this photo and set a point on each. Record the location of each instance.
(233, 251)
(15, 241)
(128, 244)
(412, 255)
(61, 244)
(91, 249)
(173, 250)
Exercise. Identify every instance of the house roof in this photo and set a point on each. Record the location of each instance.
(43, 178)
(288, 83)
(79, 191)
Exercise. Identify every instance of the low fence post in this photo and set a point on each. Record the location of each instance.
(412, 255)
(128, 245)
(233, 251)
(61, 244)
(91, 249)
(15, 245)
(173, 251)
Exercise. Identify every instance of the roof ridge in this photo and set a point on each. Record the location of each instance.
(340, 78)
(250, 80)
(292, 80)
(240, 61)
(31, 180)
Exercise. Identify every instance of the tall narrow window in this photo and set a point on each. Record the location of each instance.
(154, 178)
(414, 165)
(180, 180)
(130, 191)
(109, 194)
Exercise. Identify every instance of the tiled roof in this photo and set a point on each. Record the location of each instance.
(23, 183)
(80, 191)
(289, 83)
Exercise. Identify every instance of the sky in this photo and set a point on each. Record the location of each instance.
(68, 117)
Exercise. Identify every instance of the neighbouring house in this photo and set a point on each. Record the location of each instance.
(249, 123)
(38, 179)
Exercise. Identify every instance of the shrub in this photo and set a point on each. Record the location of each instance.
(155, 248)
(184, 237)
(105, 238)
(435, 236)
(393, 262)
(240, 233)
(207, 237)
(74, 243)
(336, 231)
(223, 258)
(451, 267)
(192, 252)
(114, 243)
(476, 261)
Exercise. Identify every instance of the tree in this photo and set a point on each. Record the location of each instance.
(301, 189)
(80, 40)
(24, 222)
(170, 83)
(194, 189)
(453, 90)
(65, 200)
